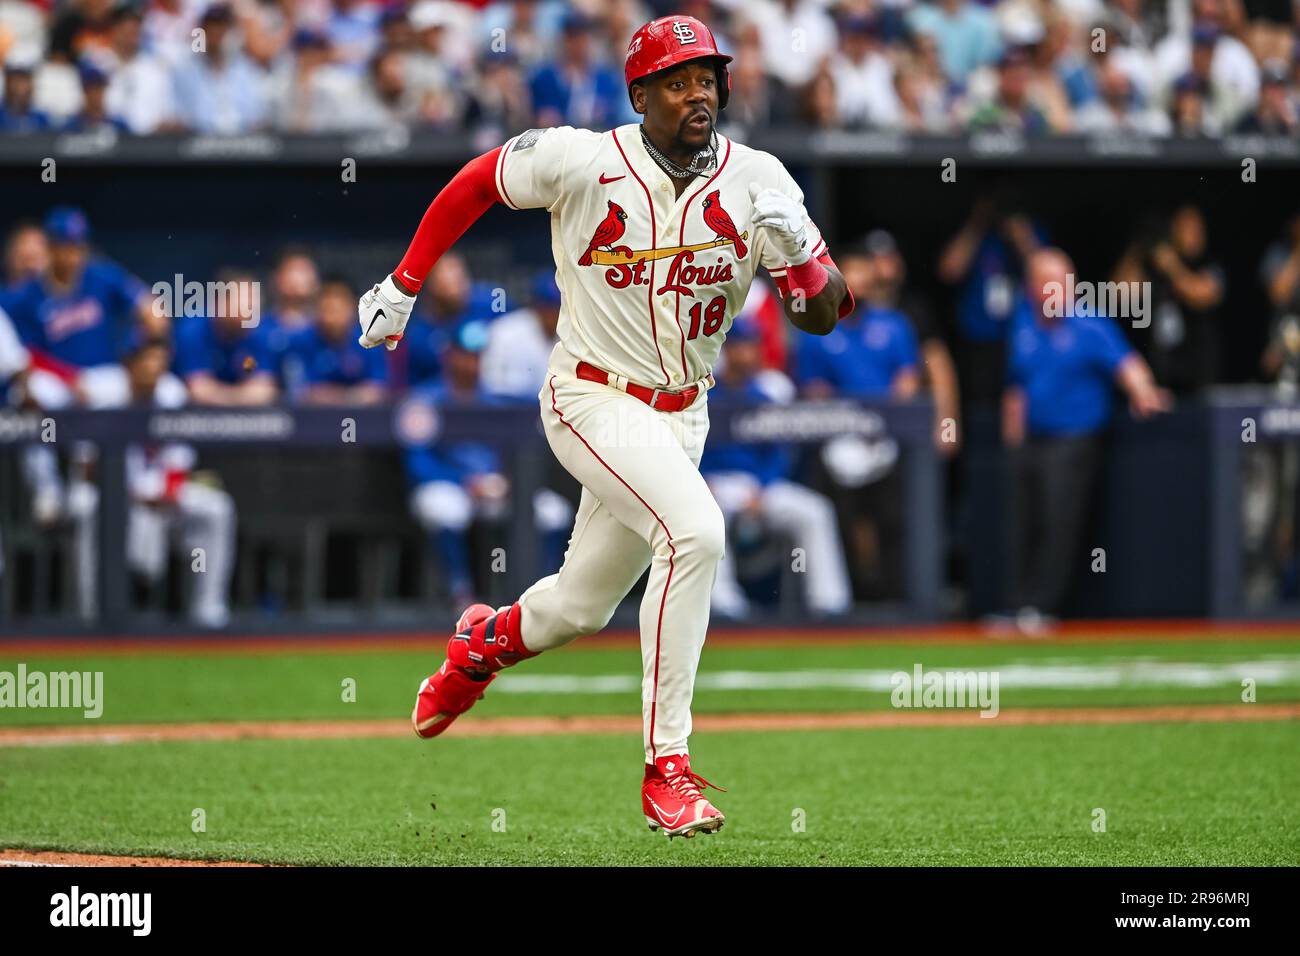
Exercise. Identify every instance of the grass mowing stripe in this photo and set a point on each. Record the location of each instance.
(1172, 794)
(162, 688)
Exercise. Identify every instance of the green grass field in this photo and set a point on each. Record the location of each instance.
(1188, 793)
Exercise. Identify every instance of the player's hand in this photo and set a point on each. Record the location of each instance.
(1150, 401)
(383, 313)
(783, 218)
(1164, 257)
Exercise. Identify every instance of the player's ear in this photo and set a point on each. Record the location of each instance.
(638, 98)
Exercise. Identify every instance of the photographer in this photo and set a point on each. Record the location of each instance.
(985, 260)
(1181, 341)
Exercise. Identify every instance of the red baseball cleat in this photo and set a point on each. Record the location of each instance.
(450, 692)
(672, 801)
(485, 641)
(443, 697)
(472, 615)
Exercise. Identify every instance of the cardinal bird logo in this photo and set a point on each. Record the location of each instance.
(607, 233)
(716, 218)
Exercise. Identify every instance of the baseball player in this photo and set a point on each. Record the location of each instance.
(657, 231)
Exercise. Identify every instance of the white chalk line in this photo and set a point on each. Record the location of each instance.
(1269, 672)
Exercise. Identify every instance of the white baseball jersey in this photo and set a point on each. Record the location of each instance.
(13, 357)
(649, 281)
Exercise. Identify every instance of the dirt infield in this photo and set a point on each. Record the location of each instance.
(631, 724)
(57, 858)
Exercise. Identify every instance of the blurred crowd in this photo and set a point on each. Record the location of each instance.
(1159, 67)
(76, 328)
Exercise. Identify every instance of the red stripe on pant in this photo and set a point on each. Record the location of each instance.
(663, 600)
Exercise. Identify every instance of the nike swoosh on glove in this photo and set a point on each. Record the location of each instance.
(383, 313)
(783, 218)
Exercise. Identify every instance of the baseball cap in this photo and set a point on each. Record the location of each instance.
(496, 58)
(744, 329)
(92, 74)
(879, 242)
(1205, 34)
(125, 10)
(471, 335)
(307, 38)
(575, 21)
(217, 13)
(67, 224)
(432, 13)
(1014, 56)
(1021, 26)
(545, 291)
(860, 24)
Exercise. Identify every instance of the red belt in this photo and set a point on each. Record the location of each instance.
(656, 398)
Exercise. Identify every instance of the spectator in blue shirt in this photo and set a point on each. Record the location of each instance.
(455, 483)
(82, 311)
(93, 115)
(753, 480)
(967, 34)
(16, 113)
(229, 358)
(575, 90)
(1062, 369)
(871, 354)
(219, 91)
(353, 30)
(77, 315)
(883, 283)
(985, 260)
(325, 365)
(295, 285)
(450, 298)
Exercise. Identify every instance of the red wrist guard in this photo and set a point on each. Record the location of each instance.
(797, 277)
(810, 278)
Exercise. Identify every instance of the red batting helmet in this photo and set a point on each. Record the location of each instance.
(671, 40)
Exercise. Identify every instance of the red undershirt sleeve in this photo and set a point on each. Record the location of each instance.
(470, 193)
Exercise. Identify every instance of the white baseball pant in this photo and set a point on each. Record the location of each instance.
(446, 504)
(202, 517)
(808, 518)
(644, 503)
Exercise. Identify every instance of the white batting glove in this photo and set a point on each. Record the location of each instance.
(783, 218)
(383, 313)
